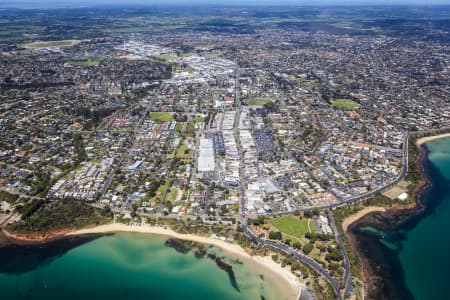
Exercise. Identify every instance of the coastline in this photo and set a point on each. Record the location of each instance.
(359, 215)
(35, 238)
(392, 217)
(427, 139)
(288, 284)
(422, 184)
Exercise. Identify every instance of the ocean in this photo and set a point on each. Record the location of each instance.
(413, 258)
(128, 266)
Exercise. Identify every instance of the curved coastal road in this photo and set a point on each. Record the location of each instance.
(298, 255)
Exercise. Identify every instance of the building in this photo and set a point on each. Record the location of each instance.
(206, 162)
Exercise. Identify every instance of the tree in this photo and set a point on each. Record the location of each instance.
(258, 221)
(334, 254)
(297, 245)
(168, 205)
(308, 214)
(79, 148)
(308, 248)
(275, 235)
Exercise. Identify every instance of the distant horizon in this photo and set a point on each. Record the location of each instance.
(27, 4)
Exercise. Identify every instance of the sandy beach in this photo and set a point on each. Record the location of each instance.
(353, 218)
(288, 282)
(431, 138)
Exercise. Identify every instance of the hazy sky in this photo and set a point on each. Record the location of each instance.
(77, 3)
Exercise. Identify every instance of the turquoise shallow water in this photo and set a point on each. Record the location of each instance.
(425, 253)
(124, 266)
(413, 259)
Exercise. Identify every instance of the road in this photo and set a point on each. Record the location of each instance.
(293, 252)
(237, 101)
(313, 264)
(243, 216)
(364, 196)
(283, 247)
(346, 277)
(298, 255)
(122, 156)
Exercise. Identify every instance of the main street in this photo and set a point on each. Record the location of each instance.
(285, 248)
(243, 217)
(290, 251)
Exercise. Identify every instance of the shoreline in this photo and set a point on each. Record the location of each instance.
(289, 285)
(23, 239)
(371, 274)
(359, 215)
(424, 140)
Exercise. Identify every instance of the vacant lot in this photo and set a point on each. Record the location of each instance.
(345, 104)
(161, 116)
(293, 226)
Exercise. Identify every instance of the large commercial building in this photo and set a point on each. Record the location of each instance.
(206, 162)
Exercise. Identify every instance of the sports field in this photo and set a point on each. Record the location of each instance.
(161, 116)
(293, 226)
(345, 104)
